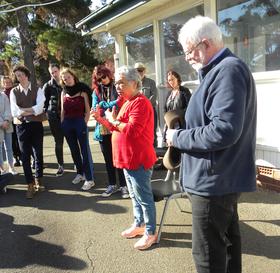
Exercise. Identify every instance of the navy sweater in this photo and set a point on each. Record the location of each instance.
(218, 144)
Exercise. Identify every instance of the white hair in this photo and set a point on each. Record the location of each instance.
(198, 28)
(131, 74)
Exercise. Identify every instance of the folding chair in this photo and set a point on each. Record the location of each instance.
(169, 188)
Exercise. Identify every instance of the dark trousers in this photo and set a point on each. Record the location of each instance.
(56, 130)
(30, 137)
(216, 242)
(16, 149)
(5, 179)
(76, 134)
(155, 126)
(106, 148)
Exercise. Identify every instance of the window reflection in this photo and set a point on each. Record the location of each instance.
(173, 55)
(251, 30)
(140, 48)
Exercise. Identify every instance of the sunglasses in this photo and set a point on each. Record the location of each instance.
(140, 70)
(101, 78)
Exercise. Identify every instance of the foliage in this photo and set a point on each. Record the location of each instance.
(52, 35)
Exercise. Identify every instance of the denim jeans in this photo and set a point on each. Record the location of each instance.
(76, 134)
(7, 152)
(216, 242)
(140, 191)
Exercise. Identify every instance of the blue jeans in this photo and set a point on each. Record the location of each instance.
(76, 134)
(7, 152)
(140, 191)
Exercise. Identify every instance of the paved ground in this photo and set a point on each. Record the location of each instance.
(67, 230)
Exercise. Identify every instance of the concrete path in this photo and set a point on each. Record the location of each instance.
(67, 230)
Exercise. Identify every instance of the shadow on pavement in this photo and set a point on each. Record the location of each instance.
(256, 243)
(50, 200)
(18, 249)
(62, 195)
(260, 196)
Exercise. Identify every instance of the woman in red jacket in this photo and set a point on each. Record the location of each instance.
(133, 151)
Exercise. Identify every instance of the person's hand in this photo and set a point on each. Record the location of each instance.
(96, 113)
(111, 115)
(169, 136)
(5, 125)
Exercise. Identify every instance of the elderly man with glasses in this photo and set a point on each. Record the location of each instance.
(132, 144)
(218, 146)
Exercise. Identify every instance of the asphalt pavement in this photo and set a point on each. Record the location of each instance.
(67, 230)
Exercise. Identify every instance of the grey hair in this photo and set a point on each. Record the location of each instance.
(131, 74)
(198, 28)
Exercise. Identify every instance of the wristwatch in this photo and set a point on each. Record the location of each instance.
(116, 122)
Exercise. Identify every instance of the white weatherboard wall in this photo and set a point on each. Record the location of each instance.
(268, 125)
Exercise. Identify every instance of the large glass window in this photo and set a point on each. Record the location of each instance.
(251, 30)
(140, 48)
(172, 51)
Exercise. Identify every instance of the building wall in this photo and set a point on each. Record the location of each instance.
(268, 83)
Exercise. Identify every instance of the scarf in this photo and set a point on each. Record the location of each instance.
(73, 90)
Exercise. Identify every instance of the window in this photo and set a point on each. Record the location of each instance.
(251, 29)
(172, 51)
(140, 48)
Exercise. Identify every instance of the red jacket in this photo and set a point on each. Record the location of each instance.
(133, 147)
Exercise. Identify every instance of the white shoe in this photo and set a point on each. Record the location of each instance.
(78, 178)
(88, 185)
(13, 171)
(4, 189)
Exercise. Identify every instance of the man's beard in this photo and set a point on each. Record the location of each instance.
(197, 66)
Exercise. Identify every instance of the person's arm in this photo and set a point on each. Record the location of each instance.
(154, 93)
(47, 93)
(15, 109)
(62, 108)
(38, 108)
(7, 113)
(137, 122)
(87, 108)
(225, 108)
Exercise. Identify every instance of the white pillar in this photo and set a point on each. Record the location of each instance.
(120, 54)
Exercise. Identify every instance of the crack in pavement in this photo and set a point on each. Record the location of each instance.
(90, 243)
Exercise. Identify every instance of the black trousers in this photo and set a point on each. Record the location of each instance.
(106, 148)
(56, 130)
(16, 149)
(5, 179)
(30, 137)
(216, 242)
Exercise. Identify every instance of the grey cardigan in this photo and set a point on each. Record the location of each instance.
(5, 114)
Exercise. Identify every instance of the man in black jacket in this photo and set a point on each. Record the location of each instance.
(52, 91)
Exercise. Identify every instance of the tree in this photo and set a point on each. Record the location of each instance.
(48, 33)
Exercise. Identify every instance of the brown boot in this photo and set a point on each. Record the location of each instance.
(39, 186)
(30, 191)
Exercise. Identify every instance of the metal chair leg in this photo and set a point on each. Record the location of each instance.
(162, 218)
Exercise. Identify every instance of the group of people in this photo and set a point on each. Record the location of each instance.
(217, 144)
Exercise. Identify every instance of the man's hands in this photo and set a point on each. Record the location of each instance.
(169, 136)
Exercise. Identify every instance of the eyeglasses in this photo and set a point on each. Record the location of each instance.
(101, 78)
(189, 52)
(140, 70)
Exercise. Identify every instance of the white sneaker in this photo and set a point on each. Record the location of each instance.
(13, 171)
(78, 178)
(88, 185)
